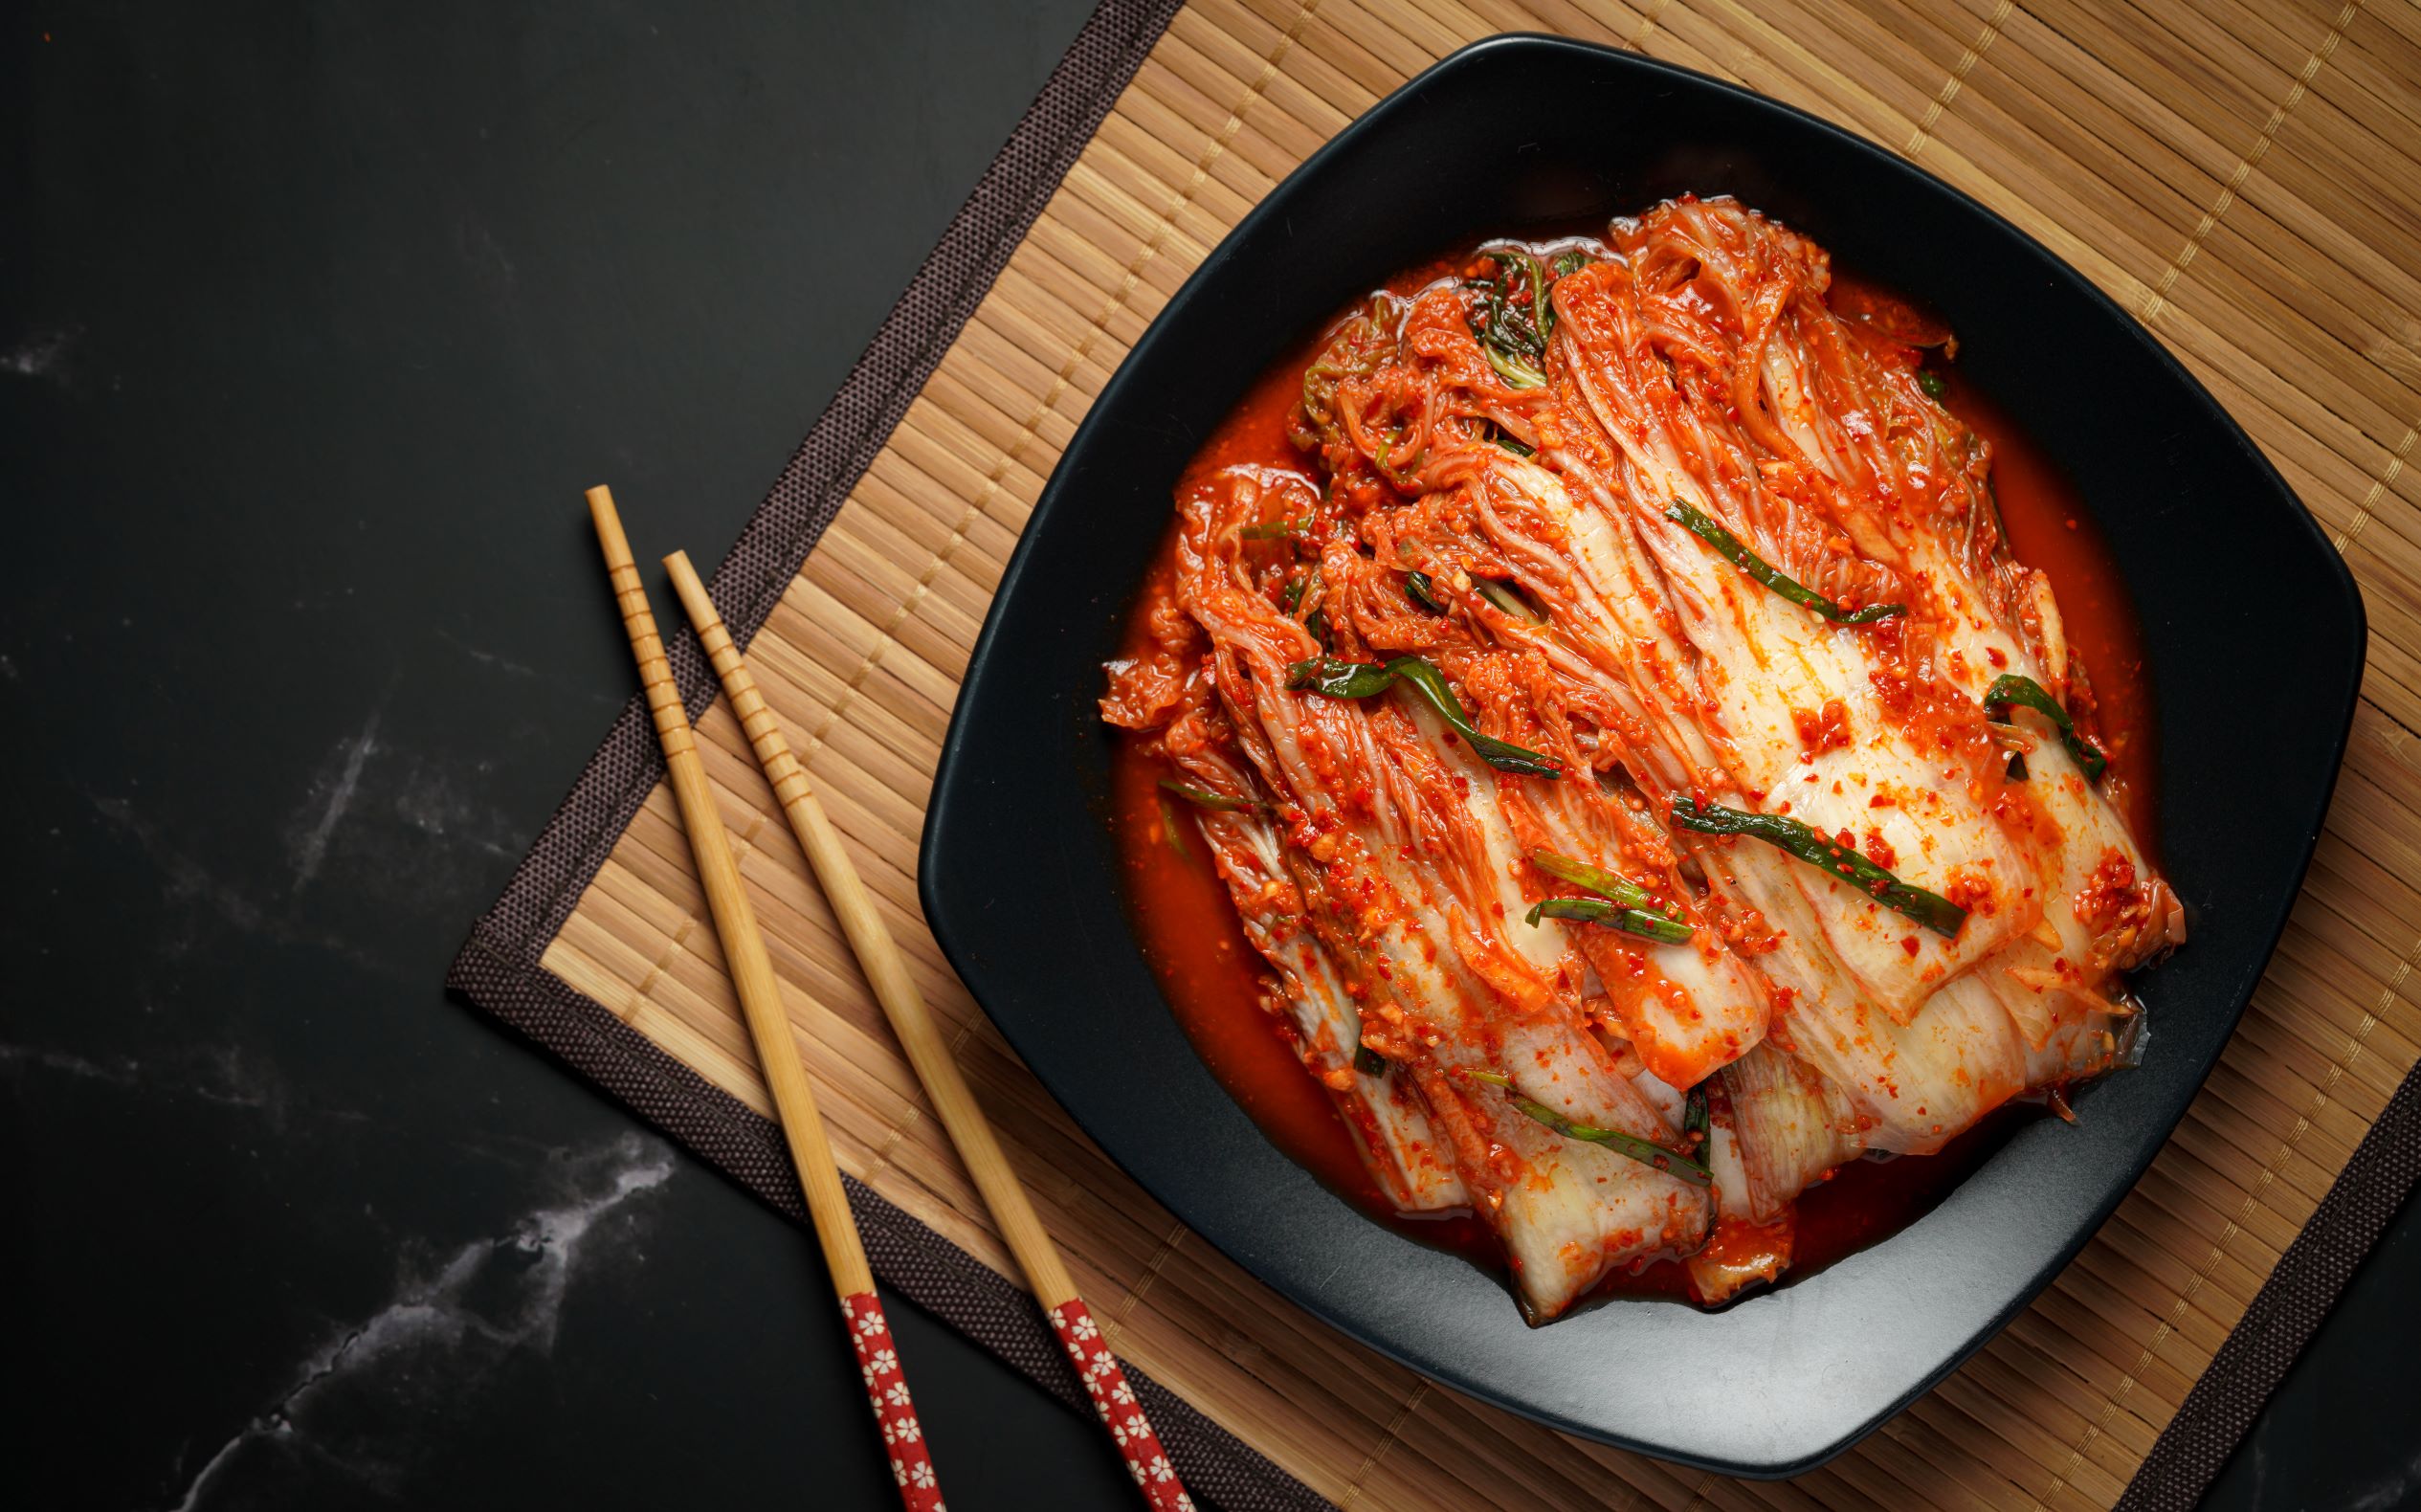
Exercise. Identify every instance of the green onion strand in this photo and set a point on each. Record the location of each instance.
(1620, 903)
(1596, 878)
(1363, 679)
(1932, 911)
(1727, 546)
(2010, 688)
(1205, 798)
(1517, 373)
(1647, 1152)
(1513, 338)
(1507, 600)
(1613, 916)
(1341, 679)
(1169, 829)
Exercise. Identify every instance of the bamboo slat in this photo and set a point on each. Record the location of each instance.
(2242, 177)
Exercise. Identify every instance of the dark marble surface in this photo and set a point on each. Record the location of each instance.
(313, 323)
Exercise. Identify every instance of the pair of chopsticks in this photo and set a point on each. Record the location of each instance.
(785, 1072)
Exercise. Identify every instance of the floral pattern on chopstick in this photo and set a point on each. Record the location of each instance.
(894, 1412)
(1119, 1412)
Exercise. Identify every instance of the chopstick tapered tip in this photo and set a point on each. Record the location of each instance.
(691, 590)
(607, 521)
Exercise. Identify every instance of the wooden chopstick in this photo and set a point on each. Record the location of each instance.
(770, 1027)
(953, 1104)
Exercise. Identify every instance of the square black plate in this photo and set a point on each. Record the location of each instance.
(2253, 636)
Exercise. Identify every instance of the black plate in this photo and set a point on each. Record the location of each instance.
(2253, 637)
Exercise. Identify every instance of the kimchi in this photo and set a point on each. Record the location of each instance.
(1627, 740)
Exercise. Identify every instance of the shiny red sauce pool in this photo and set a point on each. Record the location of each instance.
(1210, 973)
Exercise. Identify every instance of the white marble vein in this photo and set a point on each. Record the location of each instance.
(310, 844)
(451, 1323)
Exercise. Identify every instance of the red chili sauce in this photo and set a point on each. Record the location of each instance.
(1189, 933)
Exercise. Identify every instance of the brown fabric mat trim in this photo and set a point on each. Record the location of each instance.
(498, 967)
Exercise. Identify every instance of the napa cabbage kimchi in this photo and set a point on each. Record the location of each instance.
(1625, 737)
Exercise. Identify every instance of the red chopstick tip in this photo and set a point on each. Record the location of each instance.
(895, 1410)
(1115, 1400)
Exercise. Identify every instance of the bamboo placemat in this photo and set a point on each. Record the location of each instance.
(2243, 177)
